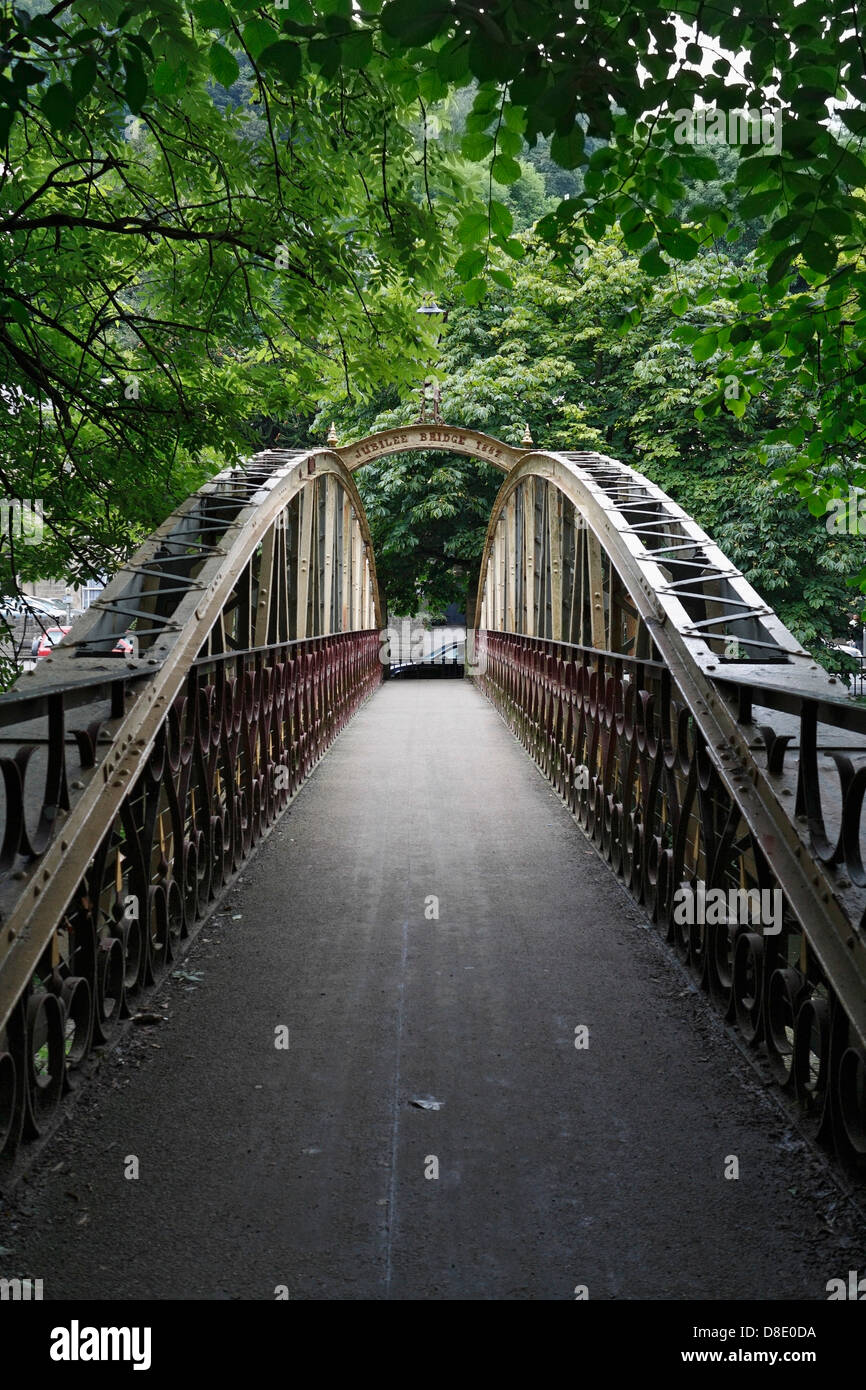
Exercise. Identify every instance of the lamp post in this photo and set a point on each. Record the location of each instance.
(433, 311)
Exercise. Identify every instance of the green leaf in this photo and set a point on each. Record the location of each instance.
(83, 76)
(469, 264)
(58, 103)
(258, 35)
(680, 304)
(476, 145)
(704, 346)
(223, 65)
(502, 278)
(639, 236)
(501, 220)
(493, 61)
(854, 118)
(514, 117)
(452, 62)
(631, 218)
(786, 227)
(7, 116)
(759, 204)
(651, 263)
(488, 101)
(567, 150)
(325, 53)
(782, 263)
(283, 58)
(12, 309)
(165, 79)
(509, 142)
(43, 27)
(357, 49)
(474, 291)
(473, 227)
(506, 170)
(852, 168)
(415, 22)
(527, 87)
(819, 254)
(25, 75)
(134, 85)
(756, 170)
(837, 220)
(212, 14)
(679, 245)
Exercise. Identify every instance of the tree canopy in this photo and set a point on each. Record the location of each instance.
(218, 215)
(182, 263)
(549, 353)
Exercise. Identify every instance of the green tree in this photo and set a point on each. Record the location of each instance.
(559, 352)
(199, 232)
(635, 81)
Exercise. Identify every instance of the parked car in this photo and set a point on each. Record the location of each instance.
(447, 660)
(44, 642)
(42, 608)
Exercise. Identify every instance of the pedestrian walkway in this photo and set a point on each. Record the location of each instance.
(497, 1085)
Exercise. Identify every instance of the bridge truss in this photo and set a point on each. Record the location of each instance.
(134, 789)
(701, 748)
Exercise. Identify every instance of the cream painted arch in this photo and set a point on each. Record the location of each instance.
(416, 437)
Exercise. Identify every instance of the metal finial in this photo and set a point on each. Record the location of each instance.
(437, 404)
(432, 384)
(527, 438)
(333, 441)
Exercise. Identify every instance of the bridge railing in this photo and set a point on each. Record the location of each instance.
(620, 745)
(134, 781)
(233, 748)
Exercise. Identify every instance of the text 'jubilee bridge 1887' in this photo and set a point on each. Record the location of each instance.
(695, 741)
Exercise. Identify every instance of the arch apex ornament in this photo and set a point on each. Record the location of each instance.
(422, 435)
(333, 439)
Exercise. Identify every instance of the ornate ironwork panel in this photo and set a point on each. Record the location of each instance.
(719, 771)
